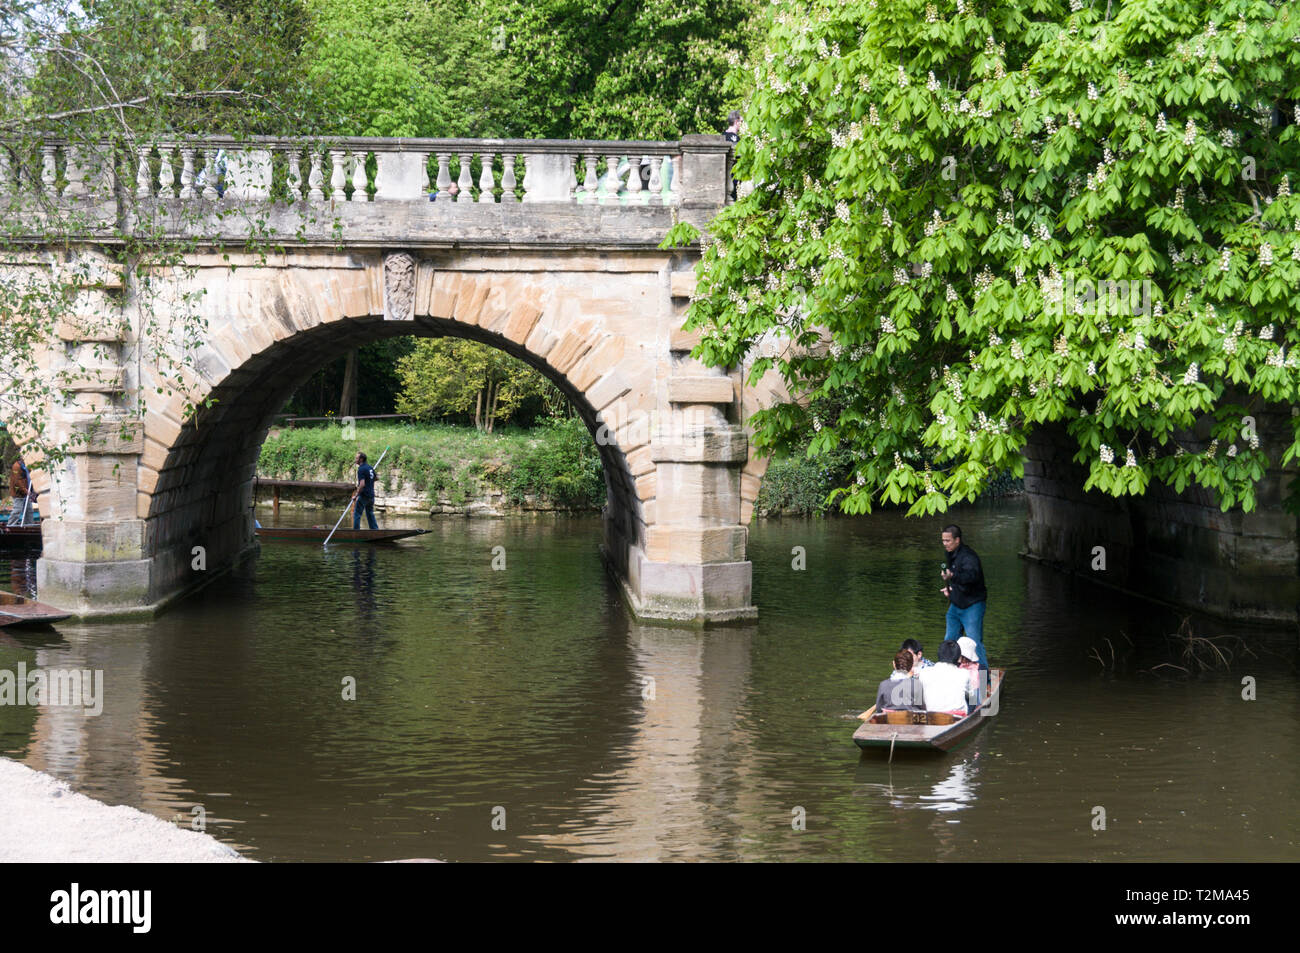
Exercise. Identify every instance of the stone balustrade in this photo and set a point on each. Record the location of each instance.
(356, 170)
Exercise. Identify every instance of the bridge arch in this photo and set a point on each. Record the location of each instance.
(680, 480)
(196, 474)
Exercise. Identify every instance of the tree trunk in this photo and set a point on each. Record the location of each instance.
(348, 402)
(492, 406)
(478, 410)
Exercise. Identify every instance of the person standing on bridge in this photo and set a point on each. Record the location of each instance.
(364, 495)
(965, 590)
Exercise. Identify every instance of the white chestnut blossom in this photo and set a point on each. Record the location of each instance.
(1107, 455)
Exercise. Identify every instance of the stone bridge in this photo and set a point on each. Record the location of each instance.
(548, 250)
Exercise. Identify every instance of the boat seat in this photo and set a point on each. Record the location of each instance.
(914, 718)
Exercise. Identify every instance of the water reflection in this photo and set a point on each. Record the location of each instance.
(529, 689)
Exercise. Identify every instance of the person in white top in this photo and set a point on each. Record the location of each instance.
(945, 686)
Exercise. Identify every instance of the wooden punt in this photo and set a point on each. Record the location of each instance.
(935, 731)
(14, 537)
(19, 610)
(317, 534)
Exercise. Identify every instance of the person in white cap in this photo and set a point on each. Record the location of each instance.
(970, 664)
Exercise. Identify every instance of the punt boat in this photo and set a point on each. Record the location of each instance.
(18, 610)
(20, 537)
(933, 730)
(317, 534)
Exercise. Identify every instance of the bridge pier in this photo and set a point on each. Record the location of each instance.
(94, 549)
(1178, 548)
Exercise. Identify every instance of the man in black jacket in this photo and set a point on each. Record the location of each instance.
(965, 591)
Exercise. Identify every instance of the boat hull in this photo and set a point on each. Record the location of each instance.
(932, 737)
(18, 610)
(19, 538)
(318, 534)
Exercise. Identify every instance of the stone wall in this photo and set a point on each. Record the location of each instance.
(1179, 548)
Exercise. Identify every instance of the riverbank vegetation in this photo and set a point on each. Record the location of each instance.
(554, 464)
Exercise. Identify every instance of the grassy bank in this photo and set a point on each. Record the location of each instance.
(556, 463)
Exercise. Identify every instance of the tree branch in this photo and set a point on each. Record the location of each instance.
(131, 104)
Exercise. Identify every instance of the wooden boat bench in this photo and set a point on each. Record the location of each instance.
(913, 718)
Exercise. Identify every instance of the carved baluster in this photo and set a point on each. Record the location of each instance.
(486, 183)
(166, 175)
(675, 184)
(210, 175)
(315, 177)
(48, 172)
(610, 187)
(466, 181)
(444, 175)
(74, 173)
(591, 183)
(143, 174)
(359, 178)
(338, 177)
(293, 178)
(508, 178)
(635, 194)
(571, 162)
(425, 186)
(656, 181)
(187, 172)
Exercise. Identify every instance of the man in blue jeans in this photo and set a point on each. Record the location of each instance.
(364, 494)
(965, 590)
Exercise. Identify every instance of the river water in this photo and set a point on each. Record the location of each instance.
(519, 713)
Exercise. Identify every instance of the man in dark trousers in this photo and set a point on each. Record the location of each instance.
(965, 590)
(364, 494)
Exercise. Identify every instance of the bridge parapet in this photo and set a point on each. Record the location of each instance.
(447, 182)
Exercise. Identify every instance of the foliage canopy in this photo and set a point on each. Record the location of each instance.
(937, 186)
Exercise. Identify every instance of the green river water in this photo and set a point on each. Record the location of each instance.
(522, 714)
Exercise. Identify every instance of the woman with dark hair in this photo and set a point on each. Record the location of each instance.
(902, 693)
(732, 132)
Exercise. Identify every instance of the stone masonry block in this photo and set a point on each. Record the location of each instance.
(682, 283)
(701, 390)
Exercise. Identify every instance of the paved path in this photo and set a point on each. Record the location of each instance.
(42, 820)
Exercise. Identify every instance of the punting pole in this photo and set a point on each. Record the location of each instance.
(349, 506)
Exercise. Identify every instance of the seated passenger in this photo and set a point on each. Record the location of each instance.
(904, 692)
(947, 688)
(919, 661)
(970, 664)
